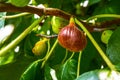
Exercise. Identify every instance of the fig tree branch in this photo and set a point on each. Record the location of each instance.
(7, 7)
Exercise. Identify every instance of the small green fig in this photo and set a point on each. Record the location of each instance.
(58, 23)
(106, 36)
(72, 38)
(40, 47)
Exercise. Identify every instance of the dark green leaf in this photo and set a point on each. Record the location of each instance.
(57, 55)
(20, 3)
(33, 72)
(16, 68)
(60, 4)
(90, 57)
(15, 21)
(29, 43)
(20, 24)
(3, 0)
(111, 7)
(50, 3)
(117, 67)
(46, 25)
(113, 48)
(68, 71)
(91, 2)
(47, 73)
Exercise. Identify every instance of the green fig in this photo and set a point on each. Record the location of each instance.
(106, 36)
(40, 47)
(58, 23)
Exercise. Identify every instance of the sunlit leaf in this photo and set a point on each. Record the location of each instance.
(102, 74)
(8, 58)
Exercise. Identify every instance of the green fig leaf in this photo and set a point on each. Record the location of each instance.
(33, 72)
(48, 70)
(15, 68)
(68, 70)
(113, 47)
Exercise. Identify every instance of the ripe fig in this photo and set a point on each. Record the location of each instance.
(40, 47)
(58, 23)
(72, 38)
(106, 36)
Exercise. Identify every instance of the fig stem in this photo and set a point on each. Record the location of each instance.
(47, 36)
(71, 56)
(103, 16)
(48, 45)
(72, 21)
(11, 45)
(65, 56)
(49, 54)
(79, 60)
(105, 58)
(14, 16)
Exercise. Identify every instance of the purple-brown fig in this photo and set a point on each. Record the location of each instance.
(72, 38)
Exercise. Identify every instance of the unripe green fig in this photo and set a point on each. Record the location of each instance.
(58, 23)
(40, 47)
(106, 36)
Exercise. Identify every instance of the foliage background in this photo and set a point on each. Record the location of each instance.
(24, 65)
